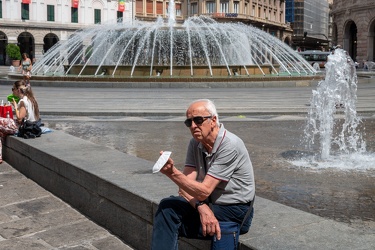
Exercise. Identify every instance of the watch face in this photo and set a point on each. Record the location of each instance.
(198, 203)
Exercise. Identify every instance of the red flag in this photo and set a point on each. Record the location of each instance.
(121, 5)
(75, 3)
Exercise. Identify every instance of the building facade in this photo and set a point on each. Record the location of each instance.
(268, 15)
(36, 25)
(310, 22)
(354, 28)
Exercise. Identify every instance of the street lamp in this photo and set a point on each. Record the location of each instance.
(132, 9)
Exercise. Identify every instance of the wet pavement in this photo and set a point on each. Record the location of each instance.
(142, 122)
(345, 196)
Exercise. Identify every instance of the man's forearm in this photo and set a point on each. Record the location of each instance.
(193, 188)
(187, 197)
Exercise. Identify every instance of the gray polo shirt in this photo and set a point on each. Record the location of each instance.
(229, 162)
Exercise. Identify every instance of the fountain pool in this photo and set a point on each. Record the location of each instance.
(199, 48)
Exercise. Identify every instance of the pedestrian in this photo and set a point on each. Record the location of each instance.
(216, 184)
(26, 67)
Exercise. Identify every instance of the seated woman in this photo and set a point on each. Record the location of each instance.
(9, 126)
(27, 107)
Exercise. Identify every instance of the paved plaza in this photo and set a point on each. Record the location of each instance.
(42, 213)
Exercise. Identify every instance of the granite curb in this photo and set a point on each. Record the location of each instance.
(104, 185)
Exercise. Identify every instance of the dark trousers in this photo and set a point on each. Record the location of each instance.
(176, 217)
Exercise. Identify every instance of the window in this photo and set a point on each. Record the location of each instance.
(194, 8)
(74, 15)
(97, 16)
(236, 7)
(150, 7)
(178, 9)
(210, 7)
(25, 15)
(224, 7)
(1, 9)
(51, 13)
(120, 16)
(138, 6)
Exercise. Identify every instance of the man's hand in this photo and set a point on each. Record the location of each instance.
(210, 225)
(167, 169)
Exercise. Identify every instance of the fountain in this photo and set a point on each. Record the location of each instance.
(199, 48)
(333, 121)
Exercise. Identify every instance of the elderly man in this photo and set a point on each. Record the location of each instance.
(216, 185)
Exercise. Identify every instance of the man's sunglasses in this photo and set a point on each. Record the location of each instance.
(198, 120)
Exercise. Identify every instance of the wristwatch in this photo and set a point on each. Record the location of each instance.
(199, 203)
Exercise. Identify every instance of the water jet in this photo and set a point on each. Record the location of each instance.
(333, 127)
(199, 48)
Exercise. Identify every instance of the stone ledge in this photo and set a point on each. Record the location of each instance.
(120, 193)
(271, 82)
(116, 190)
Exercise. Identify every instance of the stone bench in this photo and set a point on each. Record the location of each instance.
(119, 192)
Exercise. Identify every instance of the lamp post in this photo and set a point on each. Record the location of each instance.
(133, 12)
(132, 9)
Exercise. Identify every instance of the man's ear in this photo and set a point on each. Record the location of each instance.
(213, 119)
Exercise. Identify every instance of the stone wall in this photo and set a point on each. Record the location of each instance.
(362, 13)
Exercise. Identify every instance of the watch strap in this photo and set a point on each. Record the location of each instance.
(199, 203)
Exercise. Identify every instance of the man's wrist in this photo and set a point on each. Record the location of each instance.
(199, 203)
(172, 171)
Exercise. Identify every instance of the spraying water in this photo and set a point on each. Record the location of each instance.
(200, 45)
(339, 141)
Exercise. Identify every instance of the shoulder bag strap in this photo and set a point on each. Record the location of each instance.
(248, 211)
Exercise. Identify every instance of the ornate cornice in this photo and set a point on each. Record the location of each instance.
(37, 25)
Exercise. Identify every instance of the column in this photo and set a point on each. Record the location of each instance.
(38, 51)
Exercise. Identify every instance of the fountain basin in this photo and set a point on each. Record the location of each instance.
(165, 71)
(201, 47)
(252, 80)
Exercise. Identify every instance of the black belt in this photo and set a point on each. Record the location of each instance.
(235, 204)
(248, 204)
